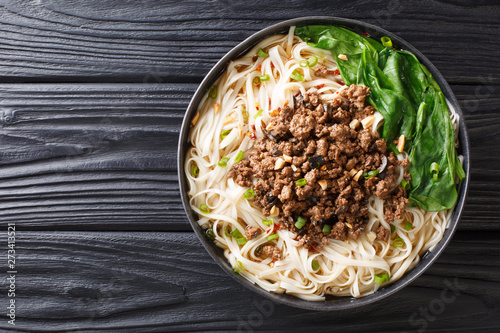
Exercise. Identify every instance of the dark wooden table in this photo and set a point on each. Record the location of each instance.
(92, 96)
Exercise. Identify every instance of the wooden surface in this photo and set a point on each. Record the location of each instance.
(92, 95)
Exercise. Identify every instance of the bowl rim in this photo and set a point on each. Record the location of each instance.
(332, 303)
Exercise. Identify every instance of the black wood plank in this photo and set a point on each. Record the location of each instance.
(157, 282)
(102, 157)
(179, 41)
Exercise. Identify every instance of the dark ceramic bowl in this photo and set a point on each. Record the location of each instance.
(331, 303)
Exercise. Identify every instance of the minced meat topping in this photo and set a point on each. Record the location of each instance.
(320, 163)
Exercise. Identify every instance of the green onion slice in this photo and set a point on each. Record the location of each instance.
(225, 133)
(204, 209)
(386, 41)
(256, 81)
(301, 182)
(227, 232)
(239, 156)
(241, 240)
(320, 55)
(263, 54)
(381, 278)
(258, 114)
(398, 242)
(408, 226)
(435, 171)
(245, 114)
(404, 184)
(296, 76)
(300, 222)
(303, 63)
(210, 233)
(312, 61)
(327, 228)
(267, 222)
(195, 171)
(370, 174)
(223, 162)
(393, 228)
(238, 267)
(264, 77)
(272, 237)
(315, 265)
(249, 194)
(235, 233)
(212, 93)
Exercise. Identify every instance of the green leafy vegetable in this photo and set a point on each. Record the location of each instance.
(411, 102)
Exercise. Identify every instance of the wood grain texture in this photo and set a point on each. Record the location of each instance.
(157, 282)
(102, 157)
(179, 41)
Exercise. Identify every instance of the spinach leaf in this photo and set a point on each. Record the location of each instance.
(400, 85)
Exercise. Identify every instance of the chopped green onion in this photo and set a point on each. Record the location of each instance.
(264, 77)
(227, 232)
(239, 156)
(263, 54)
(272, 237)
(393, 228)
(204, 209)
(235, 233)
(404, 184)
(312, 61)
(258, 114)
(245, 114)
(301, 182)
(296, 76)
(320, 55)
(195, 171)
(327, 228)
(435, 171)
(249, 194)
(241, 240)
(223, 162)
(256, 81)
(300, 222)
(386, 41)
(225, 133)
(398, 242)
(408, 226)
(315, 265)
(381, 278)
(267, 222)
(370, 174)
(210, 233)
(212, 93)
(238, 267)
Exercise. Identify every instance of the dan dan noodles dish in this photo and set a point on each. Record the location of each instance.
(324, 162)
